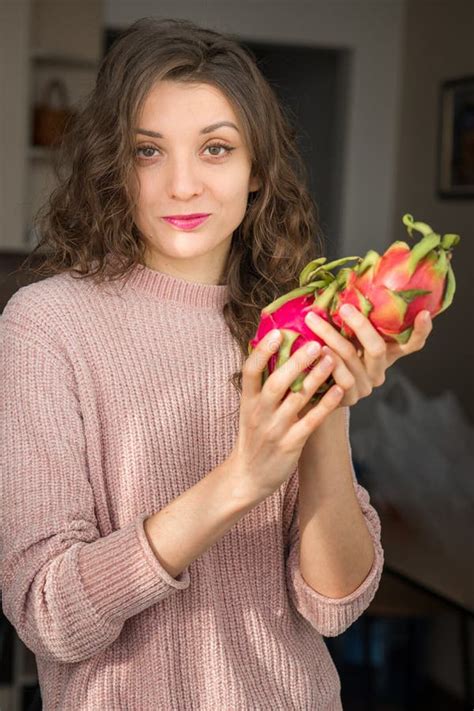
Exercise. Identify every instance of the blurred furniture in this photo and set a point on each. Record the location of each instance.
(383, 657)
(400, 608)
(424, 581)
(415, 559)
(18, 675)
(41, 41)
(430, 563)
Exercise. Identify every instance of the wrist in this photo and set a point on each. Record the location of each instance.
(242, 486)
(332, 424)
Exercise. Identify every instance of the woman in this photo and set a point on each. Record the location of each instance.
(158, 551)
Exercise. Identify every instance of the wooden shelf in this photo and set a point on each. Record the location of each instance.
(43, 57)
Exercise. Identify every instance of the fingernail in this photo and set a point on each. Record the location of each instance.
(275, 338)
(311, 317)
(313, 348)
(346, 310)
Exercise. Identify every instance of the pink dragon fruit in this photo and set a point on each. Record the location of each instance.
(390, 290)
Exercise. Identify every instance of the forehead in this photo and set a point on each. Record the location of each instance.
(170, 102)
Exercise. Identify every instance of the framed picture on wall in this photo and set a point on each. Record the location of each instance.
(456, 139)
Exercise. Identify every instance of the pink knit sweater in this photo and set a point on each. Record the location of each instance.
(113, 402)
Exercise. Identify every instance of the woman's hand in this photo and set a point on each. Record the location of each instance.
(271, 433)
(358, 372)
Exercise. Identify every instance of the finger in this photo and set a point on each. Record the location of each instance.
(301, 430)
(374, 349)
(372, 342)
(294, 402)
(421, 331)
(331, 336)
(372, 370)
(423, 326)
(417, 340)
(342, 348)
(423, 318)
(354, 387)
(341, 373)
(256, 362)
(282, 378)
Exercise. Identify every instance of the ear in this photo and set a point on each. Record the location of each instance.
(254, 184)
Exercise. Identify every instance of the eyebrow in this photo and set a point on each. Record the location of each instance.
(207, 129)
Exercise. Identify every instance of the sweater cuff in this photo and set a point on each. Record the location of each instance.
(332, 616)
(122, 576)
(361, 596)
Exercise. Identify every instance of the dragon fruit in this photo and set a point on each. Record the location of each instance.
(390, 290)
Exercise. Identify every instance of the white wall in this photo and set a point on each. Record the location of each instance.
(70, 27)
(14, 120)
(373, 29)
(438, 45)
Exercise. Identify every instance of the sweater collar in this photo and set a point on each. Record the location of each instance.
(157, 284)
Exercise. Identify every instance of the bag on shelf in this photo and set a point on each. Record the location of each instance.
(52, 115)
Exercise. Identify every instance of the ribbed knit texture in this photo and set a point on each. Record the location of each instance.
(114, 400)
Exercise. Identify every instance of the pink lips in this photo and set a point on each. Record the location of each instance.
(188, 223)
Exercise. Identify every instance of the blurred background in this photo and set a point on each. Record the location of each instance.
(382, 92)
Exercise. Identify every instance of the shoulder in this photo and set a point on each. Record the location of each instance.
(46, 310)
(48, 297)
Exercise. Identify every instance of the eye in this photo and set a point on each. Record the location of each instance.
(226, 148)
(145, 148)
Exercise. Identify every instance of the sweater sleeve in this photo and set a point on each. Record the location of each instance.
(66, 590)
(332, 616)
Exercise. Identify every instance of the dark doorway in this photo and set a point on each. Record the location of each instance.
(313, 84)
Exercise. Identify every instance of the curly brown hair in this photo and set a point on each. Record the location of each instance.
(89, 215)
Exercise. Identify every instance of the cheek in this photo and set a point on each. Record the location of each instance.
(233, 187)
(146, 202)
(149, 188)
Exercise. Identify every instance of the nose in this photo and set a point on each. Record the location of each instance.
(183, 178)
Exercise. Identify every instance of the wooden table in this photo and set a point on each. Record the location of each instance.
(442, 572)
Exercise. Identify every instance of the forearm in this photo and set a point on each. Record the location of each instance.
(190, 524)
(336, 549)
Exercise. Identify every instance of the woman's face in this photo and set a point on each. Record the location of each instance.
(183, 172)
